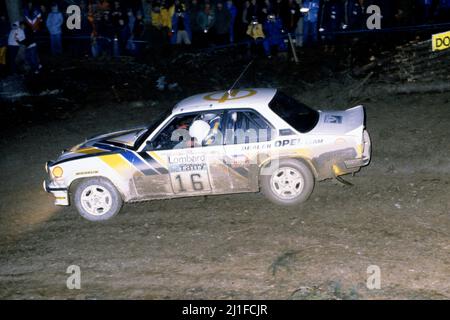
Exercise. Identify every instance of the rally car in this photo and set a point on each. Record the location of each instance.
(224, 142)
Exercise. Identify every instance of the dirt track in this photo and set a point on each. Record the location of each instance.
(395, 216)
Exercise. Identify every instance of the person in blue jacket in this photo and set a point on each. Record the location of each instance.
(54, 23)
(310, 10)
(273, 31)
(233, 12)
(181, 27)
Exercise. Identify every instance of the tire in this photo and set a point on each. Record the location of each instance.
(289, 183)
(97, 199)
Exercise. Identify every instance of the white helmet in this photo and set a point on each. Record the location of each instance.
(199, 130)
(208, 116)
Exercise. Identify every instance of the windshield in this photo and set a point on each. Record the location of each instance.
(301, 117)
(152, 127)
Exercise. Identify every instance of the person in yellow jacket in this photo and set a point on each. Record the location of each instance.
(166, 15)
(255, 30)
(156, 16)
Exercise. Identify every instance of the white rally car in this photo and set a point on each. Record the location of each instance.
(215, 143)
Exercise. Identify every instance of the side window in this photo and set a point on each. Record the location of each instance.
(247, 127)
(189, 131)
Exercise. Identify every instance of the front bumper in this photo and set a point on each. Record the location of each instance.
(60, 193)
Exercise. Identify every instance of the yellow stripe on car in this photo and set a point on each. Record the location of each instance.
(88, 150)
(155, 156)
(118, 163)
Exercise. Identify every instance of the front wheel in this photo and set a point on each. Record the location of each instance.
(97, 199)
(289, 183)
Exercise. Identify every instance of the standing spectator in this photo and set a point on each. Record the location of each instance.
(33, 16)
(102, 5)
(167, 11)
(354, 14)
(268, 5)
(44, 13)
(147, 11)
(299, 28)
(31, 53)
(123, 34)
(134, 42)
(244, 22)
(278, 8)
(181, 29)
(222, 24)
(310, 21)
(93, 22)
(15, 36)
(274, 37)
(156, 16)
(254, 11)
(397, 14)
(157, 36)
(4, 30)
(54, 22)
(117, 14)
(139, 26)
(331, 22)
(131, 19)
(291, 15)
(194, 10)
(206, 20)
(105, 33)
(256, 34)
(233, 12)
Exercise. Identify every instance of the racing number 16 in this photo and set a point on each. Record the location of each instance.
(195, 182)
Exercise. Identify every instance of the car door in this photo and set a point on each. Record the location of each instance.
(191, 169)
(247, 137)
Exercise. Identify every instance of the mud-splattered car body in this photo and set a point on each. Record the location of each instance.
(139, 164)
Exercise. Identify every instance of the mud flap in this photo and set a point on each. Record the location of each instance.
(342, 181)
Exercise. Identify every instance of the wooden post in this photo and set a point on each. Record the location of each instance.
(294, 53)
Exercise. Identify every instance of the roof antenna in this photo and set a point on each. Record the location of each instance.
(239, 78)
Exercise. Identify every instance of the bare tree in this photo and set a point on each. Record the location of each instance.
(14, 8)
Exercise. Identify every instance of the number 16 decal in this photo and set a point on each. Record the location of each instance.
(190, 182)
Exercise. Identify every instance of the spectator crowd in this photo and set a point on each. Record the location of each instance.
(124, 27)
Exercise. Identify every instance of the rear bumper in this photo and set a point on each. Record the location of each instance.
(364, 160)
(61, 194)
(357, 163)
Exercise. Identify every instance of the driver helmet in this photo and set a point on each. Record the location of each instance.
(208, 116)
(199, 130)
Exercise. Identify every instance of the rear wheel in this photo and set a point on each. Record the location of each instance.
(97, 199)
(289, 183)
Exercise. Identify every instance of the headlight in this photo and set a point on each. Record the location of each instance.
(57, 172)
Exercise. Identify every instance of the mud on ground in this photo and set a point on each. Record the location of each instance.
(396, 216)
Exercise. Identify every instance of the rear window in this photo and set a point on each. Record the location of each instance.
(301, 117)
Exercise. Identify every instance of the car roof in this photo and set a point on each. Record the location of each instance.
(237, 98)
